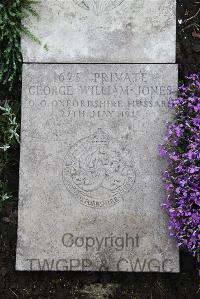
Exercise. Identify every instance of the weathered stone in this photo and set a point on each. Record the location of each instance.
(132, 31)
(90, 173)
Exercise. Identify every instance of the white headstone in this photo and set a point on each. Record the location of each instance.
(90, 174)
(113, 31)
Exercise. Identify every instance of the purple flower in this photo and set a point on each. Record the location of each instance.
(197, 108)
(162, 151)
(174, 156)
(196, 121)
(182, 178)
(179, 131)
(193, 169)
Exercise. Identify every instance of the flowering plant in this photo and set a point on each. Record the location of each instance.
(182, 178)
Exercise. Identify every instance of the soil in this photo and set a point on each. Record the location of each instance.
(94, 285)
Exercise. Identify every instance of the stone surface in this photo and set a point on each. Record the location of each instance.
(132, 31)
(90, 173)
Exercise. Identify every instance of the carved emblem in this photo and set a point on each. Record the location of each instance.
(98, 170)
(98, 6)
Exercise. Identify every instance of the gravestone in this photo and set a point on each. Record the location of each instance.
(103, 31)
(90, 174)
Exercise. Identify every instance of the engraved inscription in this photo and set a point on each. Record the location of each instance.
(99, 170)
(98, 7)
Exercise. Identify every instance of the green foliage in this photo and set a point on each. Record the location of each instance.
(9, 140)
(12, 28)
(5, 194)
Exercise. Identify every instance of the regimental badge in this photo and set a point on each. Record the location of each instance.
(98, 170)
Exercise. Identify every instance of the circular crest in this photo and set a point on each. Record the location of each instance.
(98, 170)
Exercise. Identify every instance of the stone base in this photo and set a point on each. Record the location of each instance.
(90, 172)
